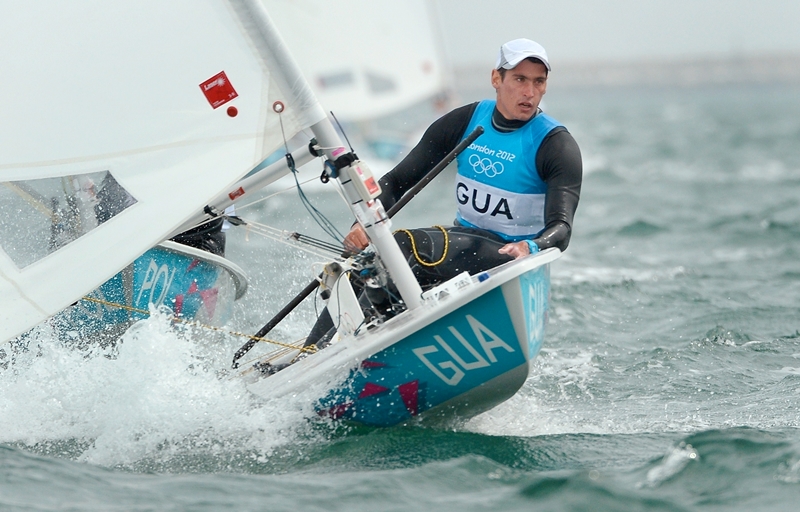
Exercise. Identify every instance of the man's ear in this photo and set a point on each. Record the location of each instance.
(496, 78)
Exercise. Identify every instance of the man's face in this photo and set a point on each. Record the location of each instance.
(521, 91)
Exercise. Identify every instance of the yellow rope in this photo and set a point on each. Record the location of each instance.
(310, 349)
(114, 304)
(414, 247)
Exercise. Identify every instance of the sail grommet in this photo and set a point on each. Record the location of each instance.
(278, 107)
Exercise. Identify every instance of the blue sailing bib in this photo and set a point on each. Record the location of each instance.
(497, 186)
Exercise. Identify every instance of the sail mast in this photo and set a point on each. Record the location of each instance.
(369, 213)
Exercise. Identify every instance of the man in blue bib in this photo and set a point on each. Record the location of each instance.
(517, 185)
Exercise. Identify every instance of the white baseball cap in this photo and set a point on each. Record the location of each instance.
(514, 52)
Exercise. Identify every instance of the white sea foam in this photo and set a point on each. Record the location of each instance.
(673, 463)
(593, 163)
(577, 391)
(159, 389)
(610, 275)
(772, 171)
(538, 408)
(789, 472)
(787, 370)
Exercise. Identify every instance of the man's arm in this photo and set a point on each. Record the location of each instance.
(561, 167)
(439, 139)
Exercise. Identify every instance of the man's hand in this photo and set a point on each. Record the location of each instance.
(356, 240)
(516, 249)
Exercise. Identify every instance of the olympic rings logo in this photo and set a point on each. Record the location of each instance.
(485, 166)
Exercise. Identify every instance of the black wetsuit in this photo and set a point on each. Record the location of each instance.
(558, 161)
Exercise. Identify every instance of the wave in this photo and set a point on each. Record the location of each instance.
(404, 468)
(614, 275)
(641, 228)
(158, 395)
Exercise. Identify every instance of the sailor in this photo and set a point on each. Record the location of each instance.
(519, 183)
(517, 186)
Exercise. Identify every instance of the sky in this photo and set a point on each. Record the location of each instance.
(619, 30)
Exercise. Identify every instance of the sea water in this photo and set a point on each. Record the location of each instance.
(669, 377)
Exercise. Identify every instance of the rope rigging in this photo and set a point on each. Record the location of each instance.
(310, 349)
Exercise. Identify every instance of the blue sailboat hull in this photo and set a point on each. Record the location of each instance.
(194, 284)
(451, 359)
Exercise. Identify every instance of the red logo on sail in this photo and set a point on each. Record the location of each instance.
(218, 90)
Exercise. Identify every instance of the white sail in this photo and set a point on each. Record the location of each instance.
(385, 56)
(120, 120)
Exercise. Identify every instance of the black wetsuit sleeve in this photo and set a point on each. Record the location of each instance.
(439, 139)
(560, 166)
